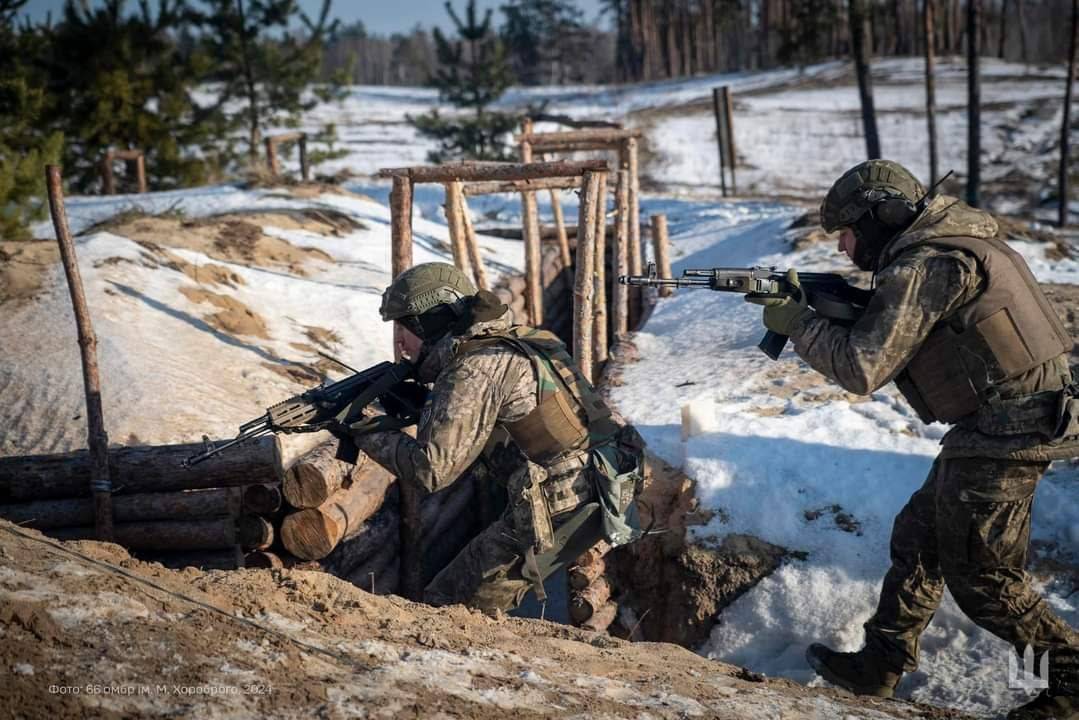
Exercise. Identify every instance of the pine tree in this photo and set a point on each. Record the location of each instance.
(24, 146)
(260, 65)
(473, 74)
(542, 38)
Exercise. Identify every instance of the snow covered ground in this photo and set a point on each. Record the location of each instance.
(801, 464)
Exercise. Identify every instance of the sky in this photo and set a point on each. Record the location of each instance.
(378, 16)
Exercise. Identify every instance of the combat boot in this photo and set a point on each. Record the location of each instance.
(1045, 706)
(859, 672)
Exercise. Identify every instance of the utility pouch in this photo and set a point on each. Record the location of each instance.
(619, 478)
(528, 508)
(1067, 415)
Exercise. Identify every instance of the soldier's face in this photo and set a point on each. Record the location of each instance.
(408, 344)
(847, 242)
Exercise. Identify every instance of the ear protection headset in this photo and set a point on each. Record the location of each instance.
(891, 209)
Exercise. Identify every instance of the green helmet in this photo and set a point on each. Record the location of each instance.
(424, 287)
(880, 185)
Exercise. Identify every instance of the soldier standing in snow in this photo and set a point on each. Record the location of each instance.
(960, 324)
(572, 472)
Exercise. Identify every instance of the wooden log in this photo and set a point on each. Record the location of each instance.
(318, 474)
(75, 512)
(211, 534)
(139, 469)
(661, 248)
(97, 438)
(584, 284)
(312, 533)
(602, 618)
(534, 294)
(256, 533)
(597, 135)
(560, 232)
(581, 576)
(599, 329)
(732, 158)
(567, 147)
(108, 178)
(721, 132)
(263, 559)
(479, 273)
(271, 156)
(516, 186)
(583, 604)
(201, 559)
(456, 224)
(400, 240)
(262, 499)
(620, 259)
(635, 260)
(568, 121)
(501, 172)
(379, 531)
(305, 170)
(140, 172)
(594, 554)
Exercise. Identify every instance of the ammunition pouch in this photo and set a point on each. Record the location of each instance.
(618, 474)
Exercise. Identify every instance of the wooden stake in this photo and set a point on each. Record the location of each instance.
(140, 172)
(728, 109)
(560, 229)
(718, 113)
(271, 156)
(635, 262)
(305, 171)
(479, 273)
(400, 240)
(108, 180)
(1065, 128)
(600, 264)
(619, 258)
(661, 246)
(584, 282)
(533, 263)
(97, 439)
(456, 224)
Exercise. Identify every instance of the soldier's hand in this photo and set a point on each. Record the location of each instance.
(377, 423)
(780, 313)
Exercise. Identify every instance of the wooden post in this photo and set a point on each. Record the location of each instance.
(661, 244)
(271, 156)
(635, 261)
(140, 172)
(479, 274)
(1062, 191)
(732, 158)
(717, 111)
(619, 259)
(930, 89)
(97, 439)
(560, 229)
(584, 283)
(454, 201)
(400, 239)
(533, 262)
(600, 265)
(108, 180)
(974, 103)
(305, 171)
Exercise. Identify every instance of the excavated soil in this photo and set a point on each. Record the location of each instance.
(89, 632)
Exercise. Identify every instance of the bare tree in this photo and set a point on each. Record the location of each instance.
(1003, 26)
(930, 91)
(1065, 126)
(857, 15)
(974, 98)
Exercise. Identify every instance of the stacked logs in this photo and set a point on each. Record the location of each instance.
(590, 604)
(162, 511)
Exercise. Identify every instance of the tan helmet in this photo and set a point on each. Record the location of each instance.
(424, 287)
(884, 186)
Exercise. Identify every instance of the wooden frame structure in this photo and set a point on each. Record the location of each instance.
(625, 143)
(474, 178)
(271, 152)
(134, 158)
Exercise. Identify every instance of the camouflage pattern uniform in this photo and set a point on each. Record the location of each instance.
(968, 527)
(475, 391)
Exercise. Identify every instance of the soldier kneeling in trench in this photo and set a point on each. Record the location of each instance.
(572, 473)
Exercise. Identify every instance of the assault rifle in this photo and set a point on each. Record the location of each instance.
(334, 406)
(827, 293)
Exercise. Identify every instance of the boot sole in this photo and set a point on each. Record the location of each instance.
(881, 691)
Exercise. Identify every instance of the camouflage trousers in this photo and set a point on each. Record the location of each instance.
(968, 528)
(487, 574)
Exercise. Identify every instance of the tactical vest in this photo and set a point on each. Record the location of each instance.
(1008, 329)
(569, 417)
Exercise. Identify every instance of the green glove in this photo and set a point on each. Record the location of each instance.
(377, 423)
(780, 313)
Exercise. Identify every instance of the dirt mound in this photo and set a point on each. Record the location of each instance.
(86, 637)
(23, 265)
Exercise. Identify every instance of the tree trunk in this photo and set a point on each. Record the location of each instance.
(312, 533)
(215, 534)
(930, 91)
(1021, 16)
(317, 475)
(1065, 127)
(139, 469)
(856, 10)
(1003, 27)
(974, 100)
(48, 514)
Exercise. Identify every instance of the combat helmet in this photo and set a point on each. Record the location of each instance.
(427, 298)
(877, 199)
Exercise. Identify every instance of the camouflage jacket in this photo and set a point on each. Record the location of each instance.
(921, 287)
(471, 395)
